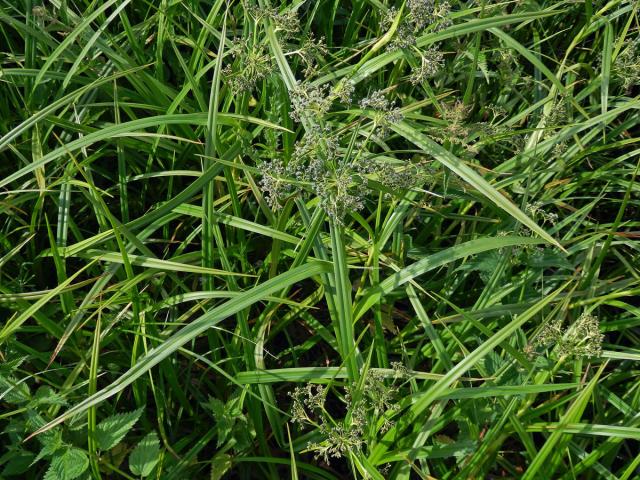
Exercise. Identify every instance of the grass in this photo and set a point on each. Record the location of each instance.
(365, 239)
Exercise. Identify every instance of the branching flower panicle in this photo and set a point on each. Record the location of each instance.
(274, 183)
(343, 90)
(311, 49)
(431, 62)
(406, 177)
(309, 100)
(456, 131)
(580, 339)
(252, 64)
(555, 118)
(425, 13)
(286, 23)
(626, 66)
(384, 111)
(422, 15)
(365, 403)
(537, 212)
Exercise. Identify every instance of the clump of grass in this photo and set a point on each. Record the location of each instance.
(419, 218)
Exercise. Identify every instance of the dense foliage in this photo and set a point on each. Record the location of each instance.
(319, 239)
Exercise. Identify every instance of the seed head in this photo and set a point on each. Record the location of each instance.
(311, 49)
(274, 184)
(626, 66)
(252, 64)
(580, 339)
(308, 100)
(385, 111)
(431, 62)
(537, 212)
(425, 13)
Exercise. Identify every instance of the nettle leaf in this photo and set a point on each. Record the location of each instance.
(548, 259)
(11, 364)
(47, 396)
(68, 465)
(220, 465)
(50, 447)
(14, 391)
(15, 430)
(145, 456)
(224, 419)
(34, 421)
(485, 263)
(112, 430)
(16, 461)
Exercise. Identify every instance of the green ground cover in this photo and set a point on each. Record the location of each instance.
(319, 239)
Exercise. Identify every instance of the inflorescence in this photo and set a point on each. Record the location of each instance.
(368, 404)
(322, 164)
(580, 339)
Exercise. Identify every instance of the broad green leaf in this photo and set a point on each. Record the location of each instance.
(18, 461)
(68, 465)
(220, 465)
(14, 391)
(145, 456)
(112, 430)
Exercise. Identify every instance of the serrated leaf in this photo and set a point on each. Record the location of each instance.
(47, 396)
(112, 430)
(50, 447)
(11, 364)
(33, 421)
(18, 462)
(220, 465)
(68, 466)
(145, 456)
(14, 391)
(52, 474)
(485, 263)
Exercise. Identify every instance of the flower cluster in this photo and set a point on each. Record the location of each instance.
(626, 66)
(425, 13)
(313, 101)
(537, 212)
(580, 339)
(385, 113)
(338, 176)
(408, 176)
(317, 162)
(309, 100)
(344, 90)
(310, 50)
(365, 404)
(556, 117)
(286, 23)
(307, 401)
(456, 131)
(274, 183)
(471, 136)
(431, 62)
(252, 64)
(422, 15)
